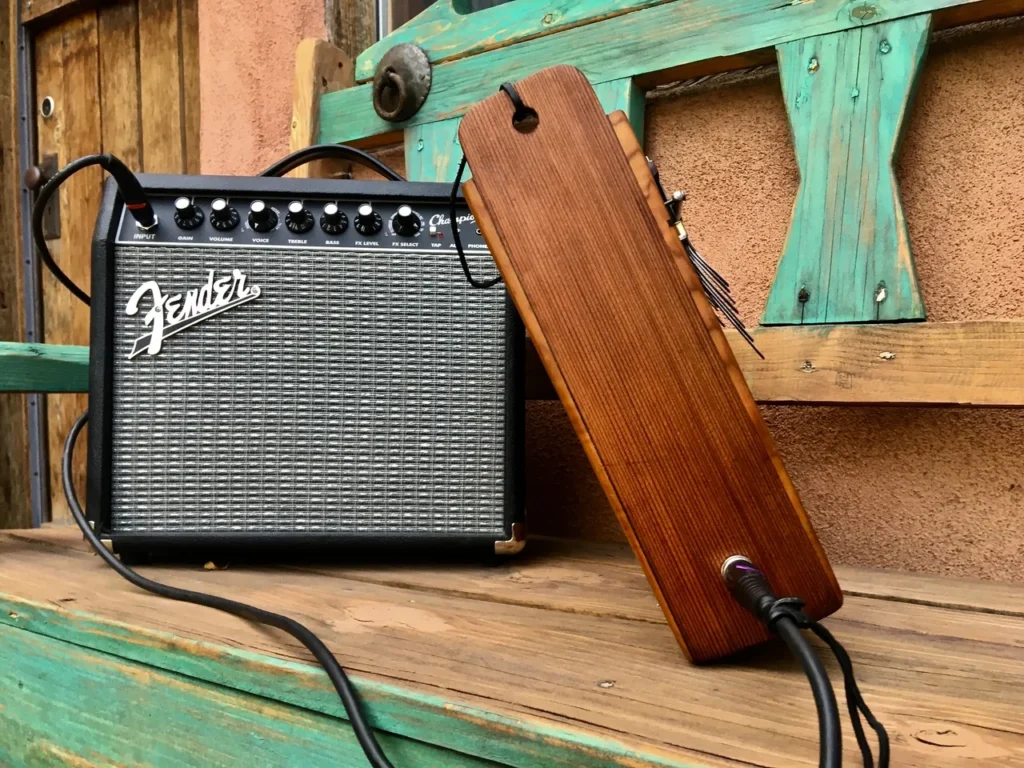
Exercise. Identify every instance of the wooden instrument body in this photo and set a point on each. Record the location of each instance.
(573, 219)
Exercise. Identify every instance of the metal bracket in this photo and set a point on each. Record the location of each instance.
(401, 83)
(515, 544)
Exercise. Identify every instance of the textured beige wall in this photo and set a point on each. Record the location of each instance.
(923, 489)
(246, 70)
(936, 490)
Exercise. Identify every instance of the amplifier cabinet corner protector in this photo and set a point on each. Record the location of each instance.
(301, 363)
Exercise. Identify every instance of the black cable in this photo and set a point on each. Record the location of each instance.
(785, 617)
(330, 151)
(129, 186)
(830, 744)
(455, 233)
(323, 655)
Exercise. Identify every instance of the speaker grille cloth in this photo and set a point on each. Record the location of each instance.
(362, 392)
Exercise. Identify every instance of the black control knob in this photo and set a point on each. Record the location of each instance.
(187, 214)
(222, 216)
(333, 221)
(368, 221)
(299, 218)
(262, 218)
(406, 222)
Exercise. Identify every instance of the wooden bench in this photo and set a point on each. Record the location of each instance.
(559, 657)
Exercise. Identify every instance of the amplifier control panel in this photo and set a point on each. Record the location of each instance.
(321, 222)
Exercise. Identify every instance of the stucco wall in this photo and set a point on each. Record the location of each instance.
(937, 490)
(246, 71)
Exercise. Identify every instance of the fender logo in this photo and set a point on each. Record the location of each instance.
(174, 313)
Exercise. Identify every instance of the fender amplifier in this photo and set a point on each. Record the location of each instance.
(300, 362)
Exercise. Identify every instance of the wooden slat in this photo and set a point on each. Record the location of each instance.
(650, 44)
(432, 152)
(923, 589)
(472, 670)
(119, 78)
(847, 257)
(319, 67)
(15, 500)
(43, 368)
(188, 11)
(67, 68)
(163, 144)
(37, 13)
(351, 25)
(963, 363)
(617, 315)
(446, 34)
(66, 679)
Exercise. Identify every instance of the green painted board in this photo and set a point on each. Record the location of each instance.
(421, 724)
(848, 249)
(446, 31)
(43, 368)
(651, 40)
(433, 151)
(66, 705)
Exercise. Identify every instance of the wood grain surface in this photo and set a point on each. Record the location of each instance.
(15, 506)
(558, 658)
(319, 67)
(638, 358)
(123, 79)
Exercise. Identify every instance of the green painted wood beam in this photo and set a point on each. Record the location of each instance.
(404, 712)
(446, 31)
(847, 257)
(43, 368)
(433, 151)
(651, 44)
(67, 705)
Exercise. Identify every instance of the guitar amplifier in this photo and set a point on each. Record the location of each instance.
(292, 362)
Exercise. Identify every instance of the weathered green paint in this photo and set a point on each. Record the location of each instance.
(445, 31)
(43, 368)
(404, 712)
(643, 43)
(847, 95)
(627, 95)
(433, 151)
(65, 705)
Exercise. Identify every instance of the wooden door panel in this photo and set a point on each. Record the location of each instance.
(124, 79)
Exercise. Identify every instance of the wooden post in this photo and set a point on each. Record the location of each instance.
(847, 258)
(319, 68)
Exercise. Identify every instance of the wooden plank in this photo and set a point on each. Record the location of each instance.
(200, 724)
(521, 684)
(942, 592)
(625, 95)
(445, 33)
(163, 144)
(639, 360)
(954, 364)
(38, 13)
(43, 368)
(319, 68)
(119, 81)
(433, 151)
(351, 25)
(847, 257)
(651, 44)
(188, 12)
(67, 68)
(15, 492)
